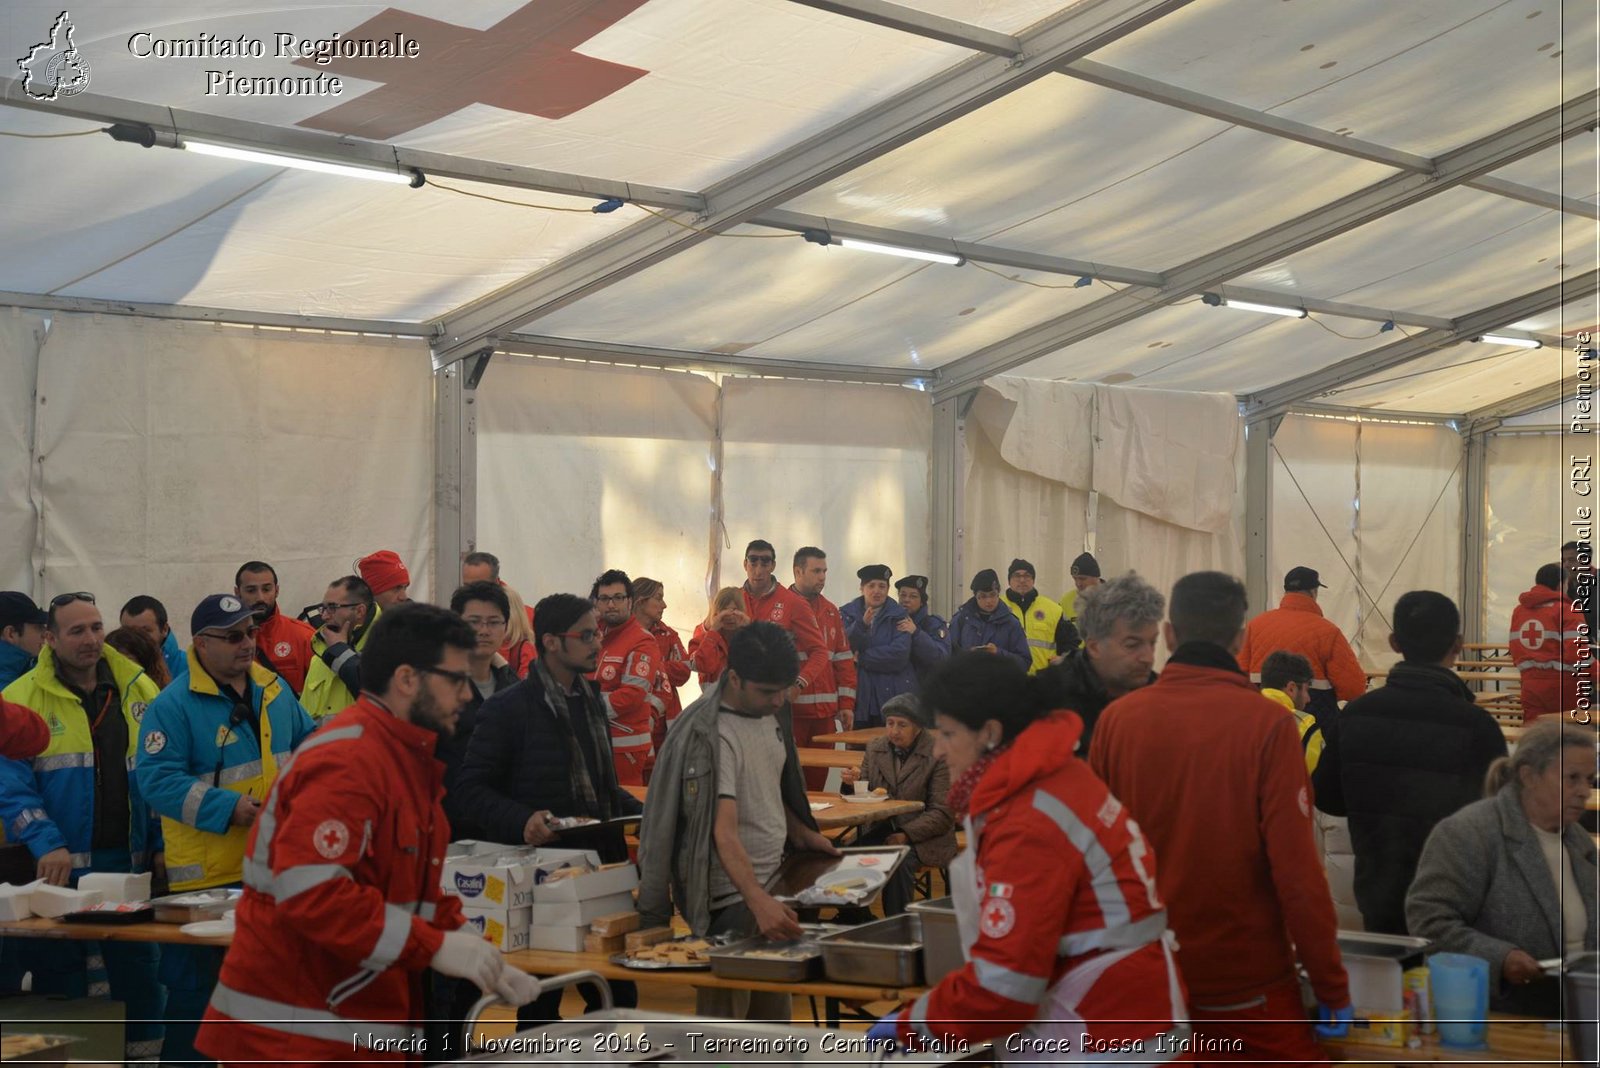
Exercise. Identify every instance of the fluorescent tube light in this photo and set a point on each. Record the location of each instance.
(897, 250)
(1514, 342)
(1267, 309)
(278, 159)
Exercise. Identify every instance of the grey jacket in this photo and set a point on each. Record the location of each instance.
(675, 836)
(1483, 888)
(920, 777)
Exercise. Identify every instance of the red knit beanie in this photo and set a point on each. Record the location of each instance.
(383, 571)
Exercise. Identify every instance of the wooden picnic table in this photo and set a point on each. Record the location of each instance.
(829, 758)
(1465, 676)
(854, 739)
(836, 813)
(1483, 647)
(1511, 1040)
(165, 933)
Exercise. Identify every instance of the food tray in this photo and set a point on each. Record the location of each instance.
(734, 961)
(37, 1048)
(941, 938)
(662, 966)
(125, 913)
(801, 870)
(885, 953)
(1402, 949)
(195, 905)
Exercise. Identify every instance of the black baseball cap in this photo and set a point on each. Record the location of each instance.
(18, 608)
(1300, 579)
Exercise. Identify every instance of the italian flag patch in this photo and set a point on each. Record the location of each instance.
(1002, 890)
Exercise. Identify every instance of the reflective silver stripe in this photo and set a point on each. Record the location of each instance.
(611, 713)
(341, 660)
(130, 762)
(427, 910)
(239, 773)
(291, 881)
(81, 860)
(1255, 677)
(998, 979)
(847, 691)
(189, 873)
(26, 817)
(351, 987)
(59, 761)
(392, 942)
(1321, 684)
(1548, 665)
(1040, 643)
(192, 801)
(634, 680)
(267, 821)
(299, 1020)
(816, 699)
(1126, 936)
(629, 741)
(656, 703)
(1103, 880)
(845, 655)
(917, 1017)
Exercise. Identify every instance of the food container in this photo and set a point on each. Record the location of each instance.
(941, 940)
(1375, 965)
(37, 1049)
(799, 871)
(195, 905)
(885, 953)
(1579, 990)
(773, 962)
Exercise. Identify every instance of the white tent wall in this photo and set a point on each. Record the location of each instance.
(1156, 474)
(1376, 508)
(1526, 517)
(171, 452)
(21, 334)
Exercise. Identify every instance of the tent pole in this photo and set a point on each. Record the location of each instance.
(949, 502)
(1474, 532)
(455, 474)
(1257, 504)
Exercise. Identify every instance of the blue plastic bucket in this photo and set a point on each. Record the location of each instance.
(1460, 999)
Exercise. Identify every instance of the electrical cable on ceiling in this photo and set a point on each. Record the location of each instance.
(46, 137)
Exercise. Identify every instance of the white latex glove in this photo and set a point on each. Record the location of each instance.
(465, 955)
(516, 987)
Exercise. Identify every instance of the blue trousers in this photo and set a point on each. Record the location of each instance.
(190, 975)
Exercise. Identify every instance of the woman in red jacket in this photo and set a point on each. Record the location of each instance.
(708, 649)
(649, 606)
(1068, 955)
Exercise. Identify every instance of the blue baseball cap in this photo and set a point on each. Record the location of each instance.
(218, 612)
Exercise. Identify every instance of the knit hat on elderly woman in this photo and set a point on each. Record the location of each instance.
(383, 571)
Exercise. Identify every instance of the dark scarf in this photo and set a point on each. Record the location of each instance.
(1022, 599)
(583, 790)
(961, 790)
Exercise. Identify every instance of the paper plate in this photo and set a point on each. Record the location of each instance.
(863, 799)
(208, 928)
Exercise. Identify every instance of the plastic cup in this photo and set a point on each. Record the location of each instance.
(1460, 999)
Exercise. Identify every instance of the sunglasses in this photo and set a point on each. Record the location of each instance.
(761, 559)
(61, 600)
(230, 637)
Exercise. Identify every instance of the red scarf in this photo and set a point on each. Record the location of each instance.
(961, 790)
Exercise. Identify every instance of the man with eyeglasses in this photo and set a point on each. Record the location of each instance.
(77, 806)
(342, 907)
(766, 600)
(485, 607)
(282, 644)
(334, 678)
(542, 750)
(210, 748)
(626, 673)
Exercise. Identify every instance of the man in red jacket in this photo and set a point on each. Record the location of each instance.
(1549, 644)
(766, 600)
(626, 675)
(833, 705)
(1213, 773)
(282, 644)
(342, 907)
(1298, 626)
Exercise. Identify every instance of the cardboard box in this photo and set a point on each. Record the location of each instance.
(619, 923)
(57, 901)
(506, 929)
(564, 939)
(506, 880)
(471, 847)
(117, 887)
(648, 937)
(605, 882)
(14, 900)
(579, 913)
(1382, 1029)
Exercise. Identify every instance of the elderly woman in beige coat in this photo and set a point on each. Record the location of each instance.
(903, 763)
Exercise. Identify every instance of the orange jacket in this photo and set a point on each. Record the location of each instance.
(1548, 633)
(672, 669)
(789, 610)
(708, 652)
(626, 676)
(1297, 626)
(837, 693)
(284, 645)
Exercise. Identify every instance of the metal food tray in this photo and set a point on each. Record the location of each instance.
(733, 961)
(170, 910)
(53, 1052)
(885, 953)
(1398, 948)
(801, 870)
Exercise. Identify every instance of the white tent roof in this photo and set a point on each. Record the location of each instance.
(1201, 146)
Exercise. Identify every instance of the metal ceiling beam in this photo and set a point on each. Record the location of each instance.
(921, 23)
(1374, 414)
(92, 107)
(1479, 419)
(689, 360)
(1212, 107)
(1287, 394)
(924, 107)
(197, 313)
(1382, 198)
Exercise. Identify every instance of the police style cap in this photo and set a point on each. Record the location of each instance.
(218, 612)
(1300, 579)
(18, 608)
(916, 582)
(986, 579)
(874, 573)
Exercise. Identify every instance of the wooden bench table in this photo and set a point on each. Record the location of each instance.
(854, 739)
(1511, 1040)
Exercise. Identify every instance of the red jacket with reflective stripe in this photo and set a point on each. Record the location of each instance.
(838, 693)
(285, 646)
(342, 908)
(1548, 633)
(789, 610)
(1297, 626)
(672, 668)
(708, 652)
(1064, 875)
(626, 676)
(23, 732)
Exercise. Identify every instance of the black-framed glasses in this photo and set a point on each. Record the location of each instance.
(488, 622)
(61, 600)
(328, 609)
(460, 679)
(612, 598)
(231, 637)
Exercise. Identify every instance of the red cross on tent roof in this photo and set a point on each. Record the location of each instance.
(525, 62)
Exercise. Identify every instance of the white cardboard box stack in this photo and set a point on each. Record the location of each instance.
(496, 885)
(563, 909)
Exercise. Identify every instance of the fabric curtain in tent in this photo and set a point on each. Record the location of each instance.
(584, 467)
(1529, 506)
(1165, 466)
(1375, 507)
(21, 334)
(843, 467)
(172, 452)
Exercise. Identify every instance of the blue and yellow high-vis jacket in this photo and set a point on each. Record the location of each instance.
(48, 803)
(196, 757)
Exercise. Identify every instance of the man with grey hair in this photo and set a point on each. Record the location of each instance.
(1120, 621)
